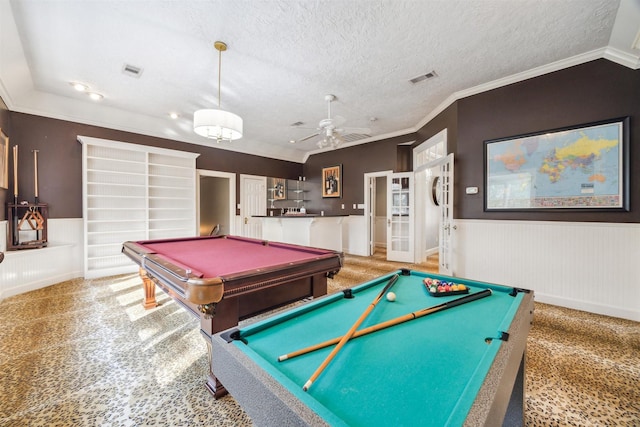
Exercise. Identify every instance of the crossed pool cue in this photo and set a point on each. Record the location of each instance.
(343, 340)
(377, 327)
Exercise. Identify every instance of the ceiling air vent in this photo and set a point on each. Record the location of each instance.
(423, 77)
(351, 137)
(131, 70)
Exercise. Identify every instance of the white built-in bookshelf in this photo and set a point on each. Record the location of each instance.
(133, 192)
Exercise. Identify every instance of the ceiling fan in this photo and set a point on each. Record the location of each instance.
(331, 135)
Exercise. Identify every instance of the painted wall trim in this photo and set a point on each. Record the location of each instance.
(585, 266)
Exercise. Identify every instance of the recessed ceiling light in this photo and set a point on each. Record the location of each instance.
(79, 86)
(95, 96)
(174, 115)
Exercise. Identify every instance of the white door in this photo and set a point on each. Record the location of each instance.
(447, 227)
(400, 217)
(253, 196)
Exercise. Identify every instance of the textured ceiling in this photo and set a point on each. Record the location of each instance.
(285, 56)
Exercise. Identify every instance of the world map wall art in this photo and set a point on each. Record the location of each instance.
(579, 167)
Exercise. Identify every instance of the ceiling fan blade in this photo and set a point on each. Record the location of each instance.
(308, 137)
(330, 133)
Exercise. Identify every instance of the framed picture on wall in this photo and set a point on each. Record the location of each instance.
(332, 181)
(280, 189)
(578, 167)
(4, 160)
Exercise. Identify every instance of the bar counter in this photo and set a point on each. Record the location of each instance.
(313, 230)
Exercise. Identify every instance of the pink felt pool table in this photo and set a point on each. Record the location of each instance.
(223, 279)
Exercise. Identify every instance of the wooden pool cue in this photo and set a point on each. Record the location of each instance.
(35, 175)
(16, 233)
(389, 323)
(15, 174)
(349, 333)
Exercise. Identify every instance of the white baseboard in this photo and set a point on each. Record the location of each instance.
(587, 306)
(39, 284)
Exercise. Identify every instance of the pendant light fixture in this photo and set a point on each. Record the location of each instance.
(216, 123)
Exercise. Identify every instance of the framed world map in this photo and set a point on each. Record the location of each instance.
(579, 167)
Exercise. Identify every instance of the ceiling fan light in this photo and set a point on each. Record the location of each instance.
(217, 124)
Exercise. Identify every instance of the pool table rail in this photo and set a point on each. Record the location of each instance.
(183, 282)
(192, 286)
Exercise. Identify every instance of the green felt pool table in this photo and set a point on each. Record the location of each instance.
(457, 365)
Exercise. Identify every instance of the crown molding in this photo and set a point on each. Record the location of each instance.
(363, 141)
(621, 57)
(610, 53)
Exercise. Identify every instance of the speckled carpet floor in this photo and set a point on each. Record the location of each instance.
(85, 353)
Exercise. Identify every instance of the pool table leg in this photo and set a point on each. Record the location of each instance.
(515, 410)
(227, 316)
(214, 386)
(149, 287)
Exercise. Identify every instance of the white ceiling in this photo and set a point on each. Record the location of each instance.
(285, 56)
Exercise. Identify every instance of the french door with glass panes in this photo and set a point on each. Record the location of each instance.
(400, 244)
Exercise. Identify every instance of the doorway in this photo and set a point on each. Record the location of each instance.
(216, 202)
(375, 201)
(428, 215)
(434, 175)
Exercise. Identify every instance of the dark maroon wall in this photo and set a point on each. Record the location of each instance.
(590, 92)
(60, 159)
(377, 156)
(356, 161)
(447, 119)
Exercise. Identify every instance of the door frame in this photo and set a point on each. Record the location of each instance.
(422, 193)
(232, 196)
(369, 187)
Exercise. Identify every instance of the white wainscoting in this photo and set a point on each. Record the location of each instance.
(381, 231)
(355, 234)
(29, 269)
(593, 267)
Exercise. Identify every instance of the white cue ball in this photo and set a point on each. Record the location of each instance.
(391, 296)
